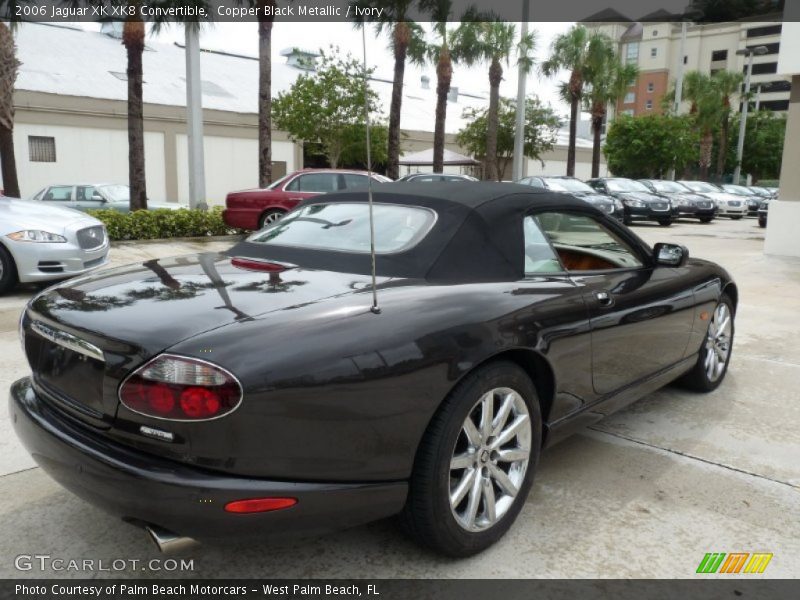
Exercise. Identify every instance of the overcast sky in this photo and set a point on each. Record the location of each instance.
(242, 38)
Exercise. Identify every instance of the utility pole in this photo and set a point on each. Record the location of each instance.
(518, 167)
(194, 119)
(749, 53)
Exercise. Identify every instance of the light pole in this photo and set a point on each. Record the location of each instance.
(679, 80)
(749, 53)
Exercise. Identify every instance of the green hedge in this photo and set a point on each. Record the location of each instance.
(163, 223)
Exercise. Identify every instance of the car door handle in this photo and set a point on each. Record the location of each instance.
(604, 299)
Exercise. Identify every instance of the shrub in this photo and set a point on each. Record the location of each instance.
(163, 223)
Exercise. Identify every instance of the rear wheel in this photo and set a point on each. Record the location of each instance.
(762, 222)
(665, 222)
(8, 271)
(475, 465)
(270, 216)
(714, 356)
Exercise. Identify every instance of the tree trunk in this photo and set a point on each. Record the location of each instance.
(265, 100)
(444, 75)
(706, 148)
(9, 66)
(597, 127)
(575, 87)
(491, 170)
(724, 135)
(133, 39)
(401, 38)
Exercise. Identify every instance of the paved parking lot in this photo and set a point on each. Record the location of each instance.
(644, 493)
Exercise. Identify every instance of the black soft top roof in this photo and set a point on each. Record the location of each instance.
(477, 236)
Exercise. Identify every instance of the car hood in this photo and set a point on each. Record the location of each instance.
(690, 196)
(593, 198)
(641, 196)
(722, 196)
(150, 306)
(29, 214)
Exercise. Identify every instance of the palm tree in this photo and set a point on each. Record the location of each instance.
(403, 32)
(579, 52)
(9, 67)
(707, 104)
(439, 54)
(609, 82)
(728, 84)
(493, 42)
(133, 34)
(265, 93)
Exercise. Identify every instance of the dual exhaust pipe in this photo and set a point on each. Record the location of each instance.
(168, 542)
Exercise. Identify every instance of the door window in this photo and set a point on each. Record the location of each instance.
(539, 255)
(58, 193)
(353, 181)
(585, 244)
(84, 193)
(315, 182)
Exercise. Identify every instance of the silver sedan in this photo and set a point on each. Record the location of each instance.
(42, 243)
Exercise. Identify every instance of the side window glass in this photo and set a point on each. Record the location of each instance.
(294, 184)
(353, 181)
(84, 193)
(318, 182)
(59, 193)
(584, 244)
(539, 256)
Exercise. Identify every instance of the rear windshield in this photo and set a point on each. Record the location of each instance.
(344, 227)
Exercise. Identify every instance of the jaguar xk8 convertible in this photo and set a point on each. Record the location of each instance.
(260, 391)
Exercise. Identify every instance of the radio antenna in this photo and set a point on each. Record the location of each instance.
(375, 309)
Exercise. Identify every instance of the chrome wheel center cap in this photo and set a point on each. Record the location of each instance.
(485, 456)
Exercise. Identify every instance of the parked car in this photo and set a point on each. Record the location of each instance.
(255, 209)
(638, 201)
(763, 211)
(92, 196)
(436, 177)
(750, 197)
(579, 189)
(728, 205)
(193, 422)
(42, 243)
(688, 203)
(764, 193)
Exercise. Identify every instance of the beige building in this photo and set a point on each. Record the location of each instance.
(655, 48)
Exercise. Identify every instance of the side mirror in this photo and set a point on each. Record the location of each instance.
(97, 197)
(670, 255)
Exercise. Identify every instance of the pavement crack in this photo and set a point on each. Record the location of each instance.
(693, 457)
(18, 472)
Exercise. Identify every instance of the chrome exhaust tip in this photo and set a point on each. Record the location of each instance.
(169, 542)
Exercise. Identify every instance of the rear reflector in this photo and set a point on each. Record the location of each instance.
(258, 505)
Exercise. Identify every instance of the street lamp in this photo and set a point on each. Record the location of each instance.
(749, 53)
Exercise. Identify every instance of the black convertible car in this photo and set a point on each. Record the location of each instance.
(261, 391)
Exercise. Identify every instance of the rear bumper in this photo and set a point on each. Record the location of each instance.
(147, 489)
(241, 218)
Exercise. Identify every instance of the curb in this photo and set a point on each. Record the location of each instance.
(199, 239)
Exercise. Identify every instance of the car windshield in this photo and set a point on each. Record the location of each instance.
(117, 192)
(568, 185)
(700, 186)
(625, 185)
(738, 189)
(345, 227)
(668, 187)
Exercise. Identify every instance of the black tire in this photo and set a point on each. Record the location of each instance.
(8, 271)
(665, 222)
(762, 222)
(697, 379)
(627, 220)
(427, 515)
(268, 216)
(706, 219)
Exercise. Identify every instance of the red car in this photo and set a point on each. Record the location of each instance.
(253, 209)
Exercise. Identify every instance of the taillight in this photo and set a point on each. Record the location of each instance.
(258, 505)
(181, 389)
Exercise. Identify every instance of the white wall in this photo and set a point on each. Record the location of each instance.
(231, 164)
(87, 155)
(583, 170)
(789, 60)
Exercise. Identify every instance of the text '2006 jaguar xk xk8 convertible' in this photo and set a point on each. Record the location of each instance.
(260, 391)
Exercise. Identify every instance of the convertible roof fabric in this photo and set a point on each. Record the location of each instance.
(477, 236)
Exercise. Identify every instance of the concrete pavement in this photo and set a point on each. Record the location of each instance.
(644, 493)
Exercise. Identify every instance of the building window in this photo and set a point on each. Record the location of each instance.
(764, 31)
(651, 87)
(630, 98)
(632, 52)
(628, 112)
(685, 60)
(648, 105)
(775, 105)
(719, 55)
(655, 32)
(774, 48)
(41, 149)
(653, 52)
(763, 68)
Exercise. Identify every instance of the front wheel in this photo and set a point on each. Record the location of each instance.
(665, 222)
(8, 271)
(475, 465)
(715, 354)
(736, 217)
(762, 222)
(627, 220)
(706, 219)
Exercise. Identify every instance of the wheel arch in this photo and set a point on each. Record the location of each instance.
(733, 292)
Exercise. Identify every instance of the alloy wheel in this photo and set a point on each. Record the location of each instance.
(490, 459)
(718, 342)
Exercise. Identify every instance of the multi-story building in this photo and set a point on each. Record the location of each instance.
(710, 47)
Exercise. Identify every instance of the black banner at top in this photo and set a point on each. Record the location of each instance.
(385, 10)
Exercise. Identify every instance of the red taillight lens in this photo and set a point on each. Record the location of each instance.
(181, 389)
(257, 505)
(251, 264)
